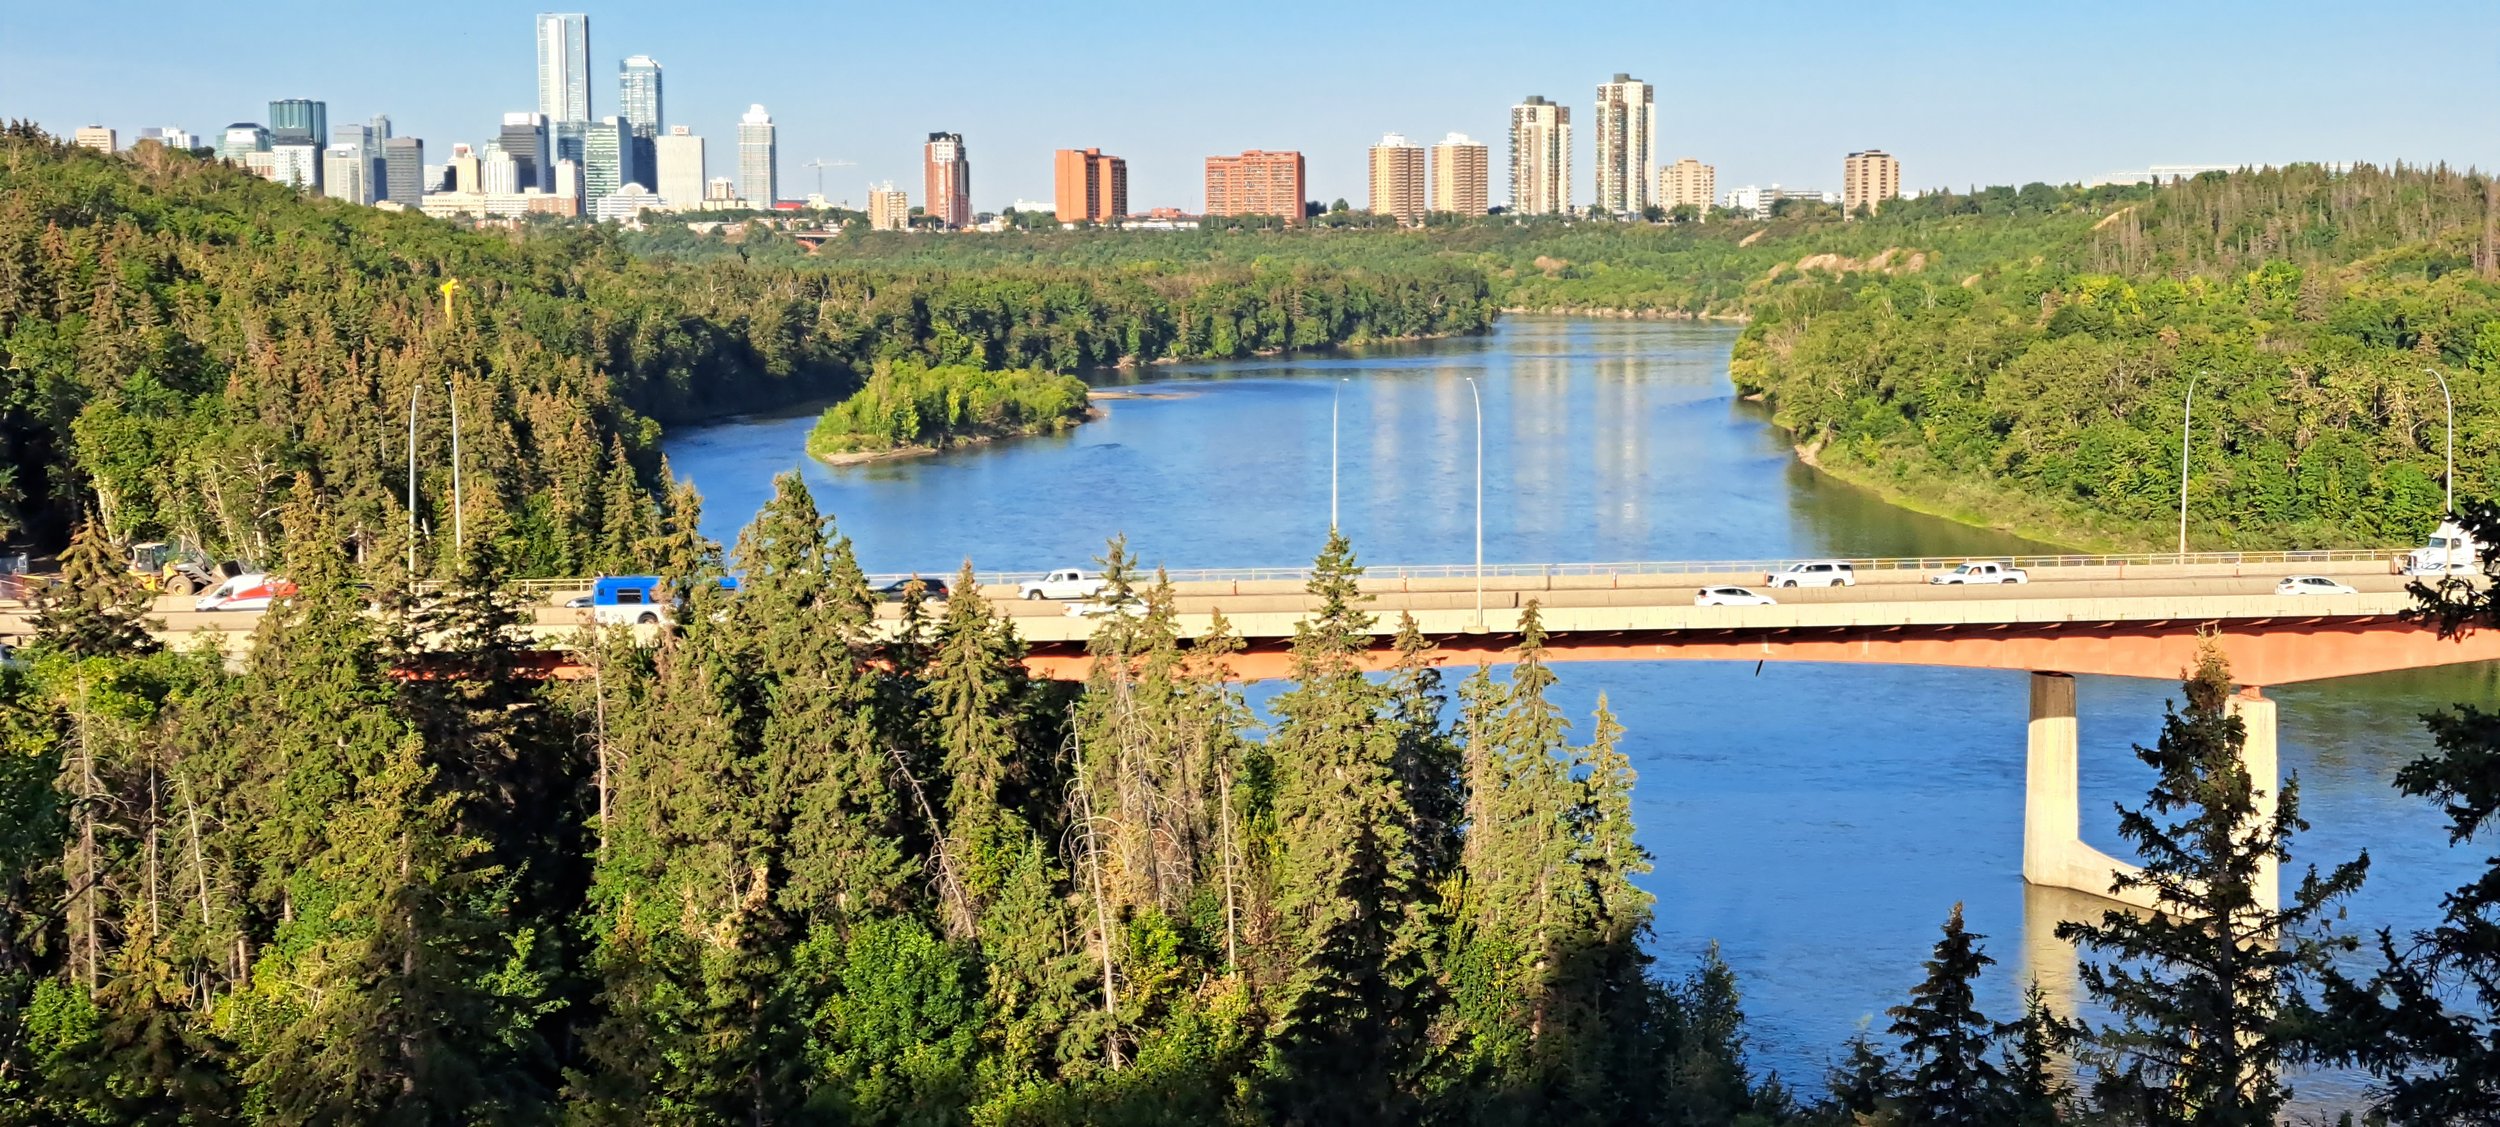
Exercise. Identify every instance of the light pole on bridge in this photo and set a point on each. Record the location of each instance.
(2187, 415)
(1334, 399)
(2449, 563)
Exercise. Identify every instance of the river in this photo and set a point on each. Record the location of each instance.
(1816, 821)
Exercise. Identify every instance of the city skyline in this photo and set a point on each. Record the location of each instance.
(1762, 107)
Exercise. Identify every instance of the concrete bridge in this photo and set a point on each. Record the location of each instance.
(2127, 616)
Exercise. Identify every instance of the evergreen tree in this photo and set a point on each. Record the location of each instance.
(98, 609)
(1867, 1087)
(2199, 986)
(628, 521)
(1944, 1039)
(2035, 1094)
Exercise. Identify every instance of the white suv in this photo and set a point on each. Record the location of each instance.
(1814, 573)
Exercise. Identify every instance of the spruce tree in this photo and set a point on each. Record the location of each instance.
(98, 609)
(2199, 986)
(2035, 1095)
(1944, 1039)
(2427, 1023)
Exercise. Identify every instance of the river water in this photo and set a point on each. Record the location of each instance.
(1816, 821)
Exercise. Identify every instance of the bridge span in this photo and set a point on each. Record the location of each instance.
(2126, 616)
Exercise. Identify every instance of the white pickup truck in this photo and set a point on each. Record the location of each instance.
(1981, 571)
(1065, 583)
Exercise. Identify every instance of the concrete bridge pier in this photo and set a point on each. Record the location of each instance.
(2054, 854)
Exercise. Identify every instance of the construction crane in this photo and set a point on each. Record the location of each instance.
(820, 164)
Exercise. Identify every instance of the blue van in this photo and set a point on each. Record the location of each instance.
(638, 600)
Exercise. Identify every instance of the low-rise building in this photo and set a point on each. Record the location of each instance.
(889, 208)
(100, 138)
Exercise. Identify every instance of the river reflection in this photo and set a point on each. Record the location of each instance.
(1818, 821)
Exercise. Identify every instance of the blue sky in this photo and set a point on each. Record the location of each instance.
(1962, 93)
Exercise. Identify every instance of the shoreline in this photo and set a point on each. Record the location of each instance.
(841, 458)
(1613, 313)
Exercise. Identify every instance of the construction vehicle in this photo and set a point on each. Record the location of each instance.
(161, 567)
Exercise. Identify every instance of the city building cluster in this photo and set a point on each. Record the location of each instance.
(559, 159)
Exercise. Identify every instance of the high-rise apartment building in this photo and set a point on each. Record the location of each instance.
(100, 138)
(1397, 179)
(241, 140)
(1626, 125)
(524, 139)
(679, 156)
(172, 137)
(296, 164)
(889, 208)
(1461, 175)
(638, 102)
(1091, 187)
(1540, 157)
(607, 159)
(1867, 179)
(1257, 182)
(1688, 183)
(299, 121)
(946, 180)
(403, 160)
(345, 174)
(759, 157)
(564, 66)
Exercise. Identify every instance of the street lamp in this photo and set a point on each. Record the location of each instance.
(459, 508)
(2449, 562)
(1334, 399)
(2187, 413)
(1478, 397)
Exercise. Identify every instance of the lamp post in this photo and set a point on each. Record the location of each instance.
(413, 387)
(2448, 563)
(1334, 399)
(2187, 413)
(1478, 397)
(459, 507)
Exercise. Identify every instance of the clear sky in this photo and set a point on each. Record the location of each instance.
(2001, 91)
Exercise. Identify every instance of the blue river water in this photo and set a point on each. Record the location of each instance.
(1816, 821)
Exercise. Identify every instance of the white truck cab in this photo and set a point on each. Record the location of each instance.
(1979, 572)
(2452, 550)
(1065, 583)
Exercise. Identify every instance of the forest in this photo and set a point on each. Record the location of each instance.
(907, 404)
(787, 867)
(2321, 317)
(181, 342)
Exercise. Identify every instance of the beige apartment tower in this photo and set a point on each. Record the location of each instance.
(1867, 179)
(889, 208)
(1540, 157)
(1688, 183)
(1461, 175)
(1627, 120)
(1398, 179)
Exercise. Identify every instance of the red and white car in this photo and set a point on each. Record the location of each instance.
(252, 590)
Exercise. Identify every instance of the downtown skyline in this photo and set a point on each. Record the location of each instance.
(1763, 104)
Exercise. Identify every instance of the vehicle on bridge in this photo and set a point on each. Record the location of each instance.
(1065, 583)
(1814, 573)
(2452, 550)
(2312, 585)
(933, 590)
(639, 600)
(162, 567)
(1732, 597)
(1981, 571)
(252, 590)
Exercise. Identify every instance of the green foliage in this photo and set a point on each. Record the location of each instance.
(909, 404)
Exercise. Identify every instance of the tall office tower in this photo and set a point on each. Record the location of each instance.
(242, 139)
(607, 159)
(1398, 179)
(1090, 187)
(759, 158)
(524, 139)
(1627, 122)
(679, 156)
(488, 174)
(1540, 157)
(381, 125)
(344, 173)
(889, 208)
(1867, 179)
(378, 130)
(638, 102)
(403, 160)
(1462, 173)
(97, 137)
(946, 180)
(564, 66)
(1257, 182)
(1688, 183)
(299, 120)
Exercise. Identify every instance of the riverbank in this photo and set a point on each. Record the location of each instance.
(1619, 314)
(840, 458)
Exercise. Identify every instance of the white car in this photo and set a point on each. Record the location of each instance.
(1129, 608)
(1979, 572)
(1732, 597)
(252, 590)
(1065, 583)
(1814, 573)
(2312, 585)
